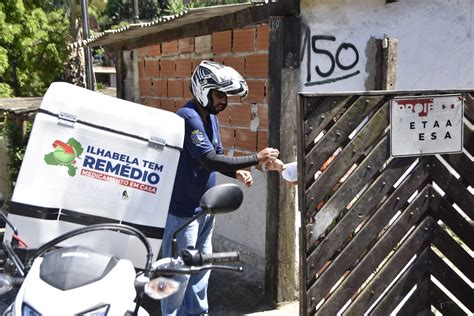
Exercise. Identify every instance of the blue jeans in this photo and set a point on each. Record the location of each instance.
(191, 298)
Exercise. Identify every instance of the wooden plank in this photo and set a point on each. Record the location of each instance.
(455, 191)
(319, 113)
(418, 303)
(338, 134)
(414, 274)
(389, 63)
(451, 281)
(359, 145)
(441, 209)
(417, 239)
(362, 206)
(453, 251)
(443, 303)
(469, 106)
(463, 165)
(344, 195)
(330, 245)
(468, 139)
(374, 256)
(280, 268)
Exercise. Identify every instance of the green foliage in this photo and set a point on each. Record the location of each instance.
(32, 47)
(17, 140)
(118, 11)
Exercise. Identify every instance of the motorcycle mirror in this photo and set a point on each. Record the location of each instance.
(223, 198)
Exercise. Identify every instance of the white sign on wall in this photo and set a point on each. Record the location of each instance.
(426, 125)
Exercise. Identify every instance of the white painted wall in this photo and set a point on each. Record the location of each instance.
(244, 229)
(435, 50)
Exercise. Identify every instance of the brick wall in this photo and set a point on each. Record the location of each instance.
(164, 71)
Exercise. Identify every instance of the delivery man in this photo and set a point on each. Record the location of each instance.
(200, 159)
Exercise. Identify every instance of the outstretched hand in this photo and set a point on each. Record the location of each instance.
(245, 177)
(275, 165)
(267, 154)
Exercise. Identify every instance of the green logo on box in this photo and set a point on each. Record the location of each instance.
(65, 154)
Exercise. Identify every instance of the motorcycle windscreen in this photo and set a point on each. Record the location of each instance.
(96, 159)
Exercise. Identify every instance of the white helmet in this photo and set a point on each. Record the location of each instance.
(211, 75)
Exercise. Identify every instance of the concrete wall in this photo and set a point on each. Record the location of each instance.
(435, 50)
(163, 72)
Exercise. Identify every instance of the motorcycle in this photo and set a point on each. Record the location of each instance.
(77, 280)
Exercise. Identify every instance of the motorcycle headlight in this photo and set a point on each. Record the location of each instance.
(99, 311)
(27, 310)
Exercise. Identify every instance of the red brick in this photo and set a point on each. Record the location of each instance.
(243, 40)
(153, 102)
(167, 68)
(222, 42)
(180, 103)
(183, 68)
(262, 39)
(245, 139)
(186, 45)
(256, 66)
(168, 105)
(160, 87)
(231, 99)
(240, 114)
(169, 48)
(227, 136)
(144, 87)
(141, 68)
(175, 88)
(152, 69)
(187, 94)
(262, 141)
(262, 113)
(238, 63)
(224, 116)
(219, 60)
(203, 44)
(256, 91)
(196, 62)
(153, 51)
(141, 52)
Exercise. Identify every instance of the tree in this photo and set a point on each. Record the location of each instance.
(32, 46)
(118, 11)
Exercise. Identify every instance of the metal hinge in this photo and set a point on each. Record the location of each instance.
(157, 142)
(66, 119)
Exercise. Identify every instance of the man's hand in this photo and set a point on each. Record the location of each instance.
(245, 177)
(276, 165)
(267, 154)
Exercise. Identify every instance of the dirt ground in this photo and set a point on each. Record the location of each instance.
(233, 294)
(243, 294)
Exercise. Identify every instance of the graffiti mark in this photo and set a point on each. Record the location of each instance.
(315, 83)
(325, 60)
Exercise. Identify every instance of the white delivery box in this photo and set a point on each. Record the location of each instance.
(93, 159)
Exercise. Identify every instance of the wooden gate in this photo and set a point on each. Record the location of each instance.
(379, 234)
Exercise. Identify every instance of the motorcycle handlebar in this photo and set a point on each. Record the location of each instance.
(220, 257)
(193, 257)
(177, 269)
